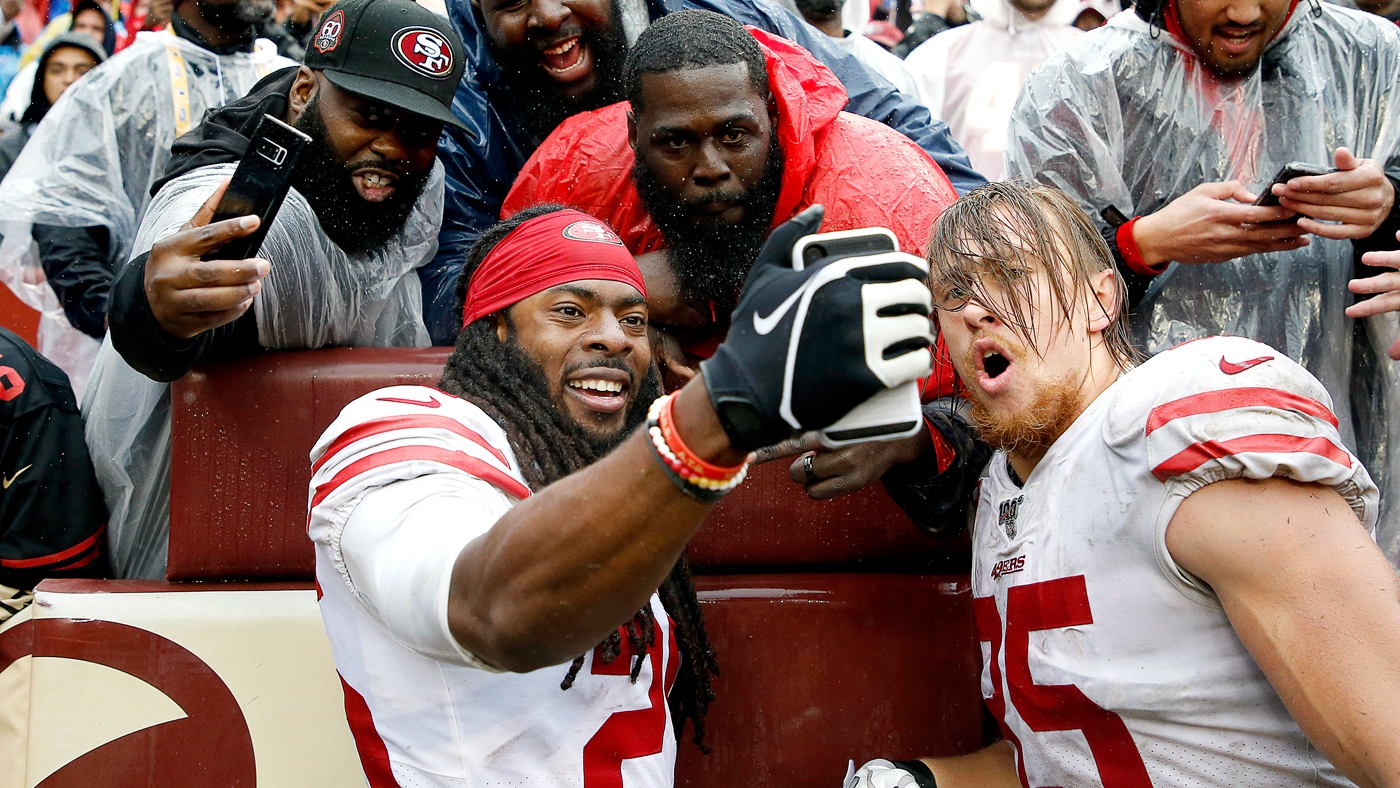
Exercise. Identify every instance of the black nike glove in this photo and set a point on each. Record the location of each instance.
(805, 347)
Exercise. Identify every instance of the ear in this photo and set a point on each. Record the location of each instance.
(304, 88)
(632, 132)
(1105, 285)
(502, 330)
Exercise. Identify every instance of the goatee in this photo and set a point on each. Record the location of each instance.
(355, 225)
(712, 258)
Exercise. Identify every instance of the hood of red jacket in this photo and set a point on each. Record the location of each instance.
(809, 97)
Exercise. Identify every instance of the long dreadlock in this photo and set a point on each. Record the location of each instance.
(549, 445)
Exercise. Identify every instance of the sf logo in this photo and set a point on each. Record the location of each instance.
(424, 51)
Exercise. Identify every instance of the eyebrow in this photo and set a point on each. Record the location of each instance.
(592, 295)
(729, 121)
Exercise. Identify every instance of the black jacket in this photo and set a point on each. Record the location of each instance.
(52, 515)
(76, 260)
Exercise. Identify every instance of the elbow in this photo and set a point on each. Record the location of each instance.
(510, 639)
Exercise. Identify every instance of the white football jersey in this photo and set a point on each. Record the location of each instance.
(1105, 662)
(402, 481)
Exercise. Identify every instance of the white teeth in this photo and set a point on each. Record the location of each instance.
(562, 48)
(597, 385)
(375, 181)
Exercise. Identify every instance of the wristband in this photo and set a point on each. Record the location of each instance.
(922, 774)
(1132, 255)
(703, 481)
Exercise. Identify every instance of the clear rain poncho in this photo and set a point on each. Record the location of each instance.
(1128, 118)
(315, 296)
(95, 155)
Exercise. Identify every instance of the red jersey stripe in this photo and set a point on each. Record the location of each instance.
(1229, 399)
(457, 459)
(391, 423)
(63, 555)
(1198, 454)
(374, 756)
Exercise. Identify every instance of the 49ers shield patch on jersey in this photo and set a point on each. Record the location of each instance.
(328, 36)
(424, 50)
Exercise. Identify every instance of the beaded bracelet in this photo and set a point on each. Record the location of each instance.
(679, 466)
(666, 420)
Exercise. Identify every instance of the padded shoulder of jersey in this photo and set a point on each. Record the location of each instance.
(404, 431)
(1229, 407)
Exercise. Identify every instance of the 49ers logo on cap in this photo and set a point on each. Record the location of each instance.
(424, 50)
(594, 232)
(328, 37)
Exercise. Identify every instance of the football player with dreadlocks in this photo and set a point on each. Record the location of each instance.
(502, 558)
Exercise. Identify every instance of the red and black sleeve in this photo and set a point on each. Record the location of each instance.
(52, 514)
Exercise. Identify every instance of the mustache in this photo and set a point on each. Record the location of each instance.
(602, 363)
(743, 199)
(1011, 348)
(399, 168)
(543, 41)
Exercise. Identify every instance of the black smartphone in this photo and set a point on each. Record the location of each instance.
(259, 184)
(1291, 170)
(844, 243)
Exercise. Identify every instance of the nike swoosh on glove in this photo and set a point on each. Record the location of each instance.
(805, 347)
(881, 773)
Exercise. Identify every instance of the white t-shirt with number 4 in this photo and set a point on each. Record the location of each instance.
(402, 481)
(1105, 662)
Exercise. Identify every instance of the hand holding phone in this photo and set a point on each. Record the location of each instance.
(259, 184)
(1289, 171)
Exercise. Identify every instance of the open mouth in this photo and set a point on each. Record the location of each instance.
(1235, 42)
(374, 185)
(604, 391)
(567, 60)
(995, 363)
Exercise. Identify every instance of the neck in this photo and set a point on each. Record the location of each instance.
(1032, 16)
(1103, 372)
(832, 25)
(214, 35)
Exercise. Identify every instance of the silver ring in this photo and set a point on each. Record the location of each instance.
(812, 477)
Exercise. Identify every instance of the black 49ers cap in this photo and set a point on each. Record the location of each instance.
(394, 51)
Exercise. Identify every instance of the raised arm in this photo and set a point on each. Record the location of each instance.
(1317, 605)
(561, 570)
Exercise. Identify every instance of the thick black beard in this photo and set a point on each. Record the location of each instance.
(531, 374)
(541, 108)
(356, 226)
(711, 259)
(241, 13)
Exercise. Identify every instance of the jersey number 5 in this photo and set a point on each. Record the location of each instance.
(635, 733)
(1053, 707)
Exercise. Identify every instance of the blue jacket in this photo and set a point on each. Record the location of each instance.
(481, 168)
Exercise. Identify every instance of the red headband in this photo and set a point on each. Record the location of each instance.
(549, 250)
